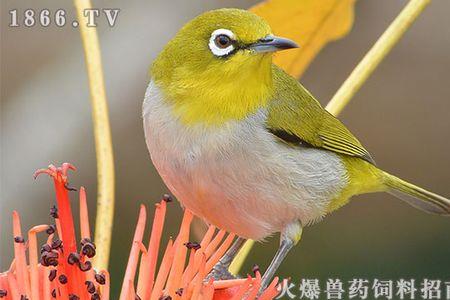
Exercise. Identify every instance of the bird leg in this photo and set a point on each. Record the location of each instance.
(220, 270)
(290, 236)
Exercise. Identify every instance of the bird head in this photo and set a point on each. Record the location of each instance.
(218, 67)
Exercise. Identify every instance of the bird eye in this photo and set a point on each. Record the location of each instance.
(221, 42)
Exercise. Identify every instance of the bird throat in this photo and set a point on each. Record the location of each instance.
(212, 98)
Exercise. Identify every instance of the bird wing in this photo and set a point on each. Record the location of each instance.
(296, 117)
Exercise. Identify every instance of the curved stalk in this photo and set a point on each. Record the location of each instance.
(102, 135)
(375, 55)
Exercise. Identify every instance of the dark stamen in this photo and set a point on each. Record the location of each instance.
(3, 293)
(100, 278)
(62, 279)
(54, 293)
(49, 258)
(88, 249)
(19, 239)
(179, 292)
(192, 245)
(54, 212)
(52, 275)
(90, 286)
(73, 297)
(46, 248)
(73, 258)
(167, 198)
(84, 267)
(84, 241)
(56, 244)
(255, 269)
(67, 187)
(95, 296)
(51, 229)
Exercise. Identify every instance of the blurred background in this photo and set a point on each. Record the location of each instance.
(402, 115)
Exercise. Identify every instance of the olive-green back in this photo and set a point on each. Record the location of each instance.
(294, 112)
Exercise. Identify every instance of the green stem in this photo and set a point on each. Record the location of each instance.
(375, 55)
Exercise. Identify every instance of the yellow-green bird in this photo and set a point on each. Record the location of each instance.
(247, 148)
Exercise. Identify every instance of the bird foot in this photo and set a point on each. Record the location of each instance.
(220, 272)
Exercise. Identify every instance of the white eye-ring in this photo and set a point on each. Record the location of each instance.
(221, 42)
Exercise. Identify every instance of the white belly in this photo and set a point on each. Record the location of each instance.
(238, 177)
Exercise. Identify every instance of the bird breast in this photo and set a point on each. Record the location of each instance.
(238, 176)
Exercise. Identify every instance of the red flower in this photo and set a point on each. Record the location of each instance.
(64, 270)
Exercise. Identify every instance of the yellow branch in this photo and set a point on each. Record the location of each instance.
(102, 134)
(356, 79)
(239, 260)
(375, 55)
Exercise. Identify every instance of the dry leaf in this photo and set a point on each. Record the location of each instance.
(311, 23)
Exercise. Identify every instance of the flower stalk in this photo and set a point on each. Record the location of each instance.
(102, 135)
(375, 55)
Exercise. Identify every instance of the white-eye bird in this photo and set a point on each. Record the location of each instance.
(244, 146)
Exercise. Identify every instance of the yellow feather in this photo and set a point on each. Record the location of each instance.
(212, 97)
(362, 177)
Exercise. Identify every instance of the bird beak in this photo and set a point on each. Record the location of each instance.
(271, 44)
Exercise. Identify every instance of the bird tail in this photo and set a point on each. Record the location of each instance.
(416, 196)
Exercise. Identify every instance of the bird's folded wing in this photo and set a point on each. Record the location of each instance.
(296, 117)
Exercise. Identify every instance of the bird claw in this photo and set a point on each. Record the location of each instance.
(220, 272)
